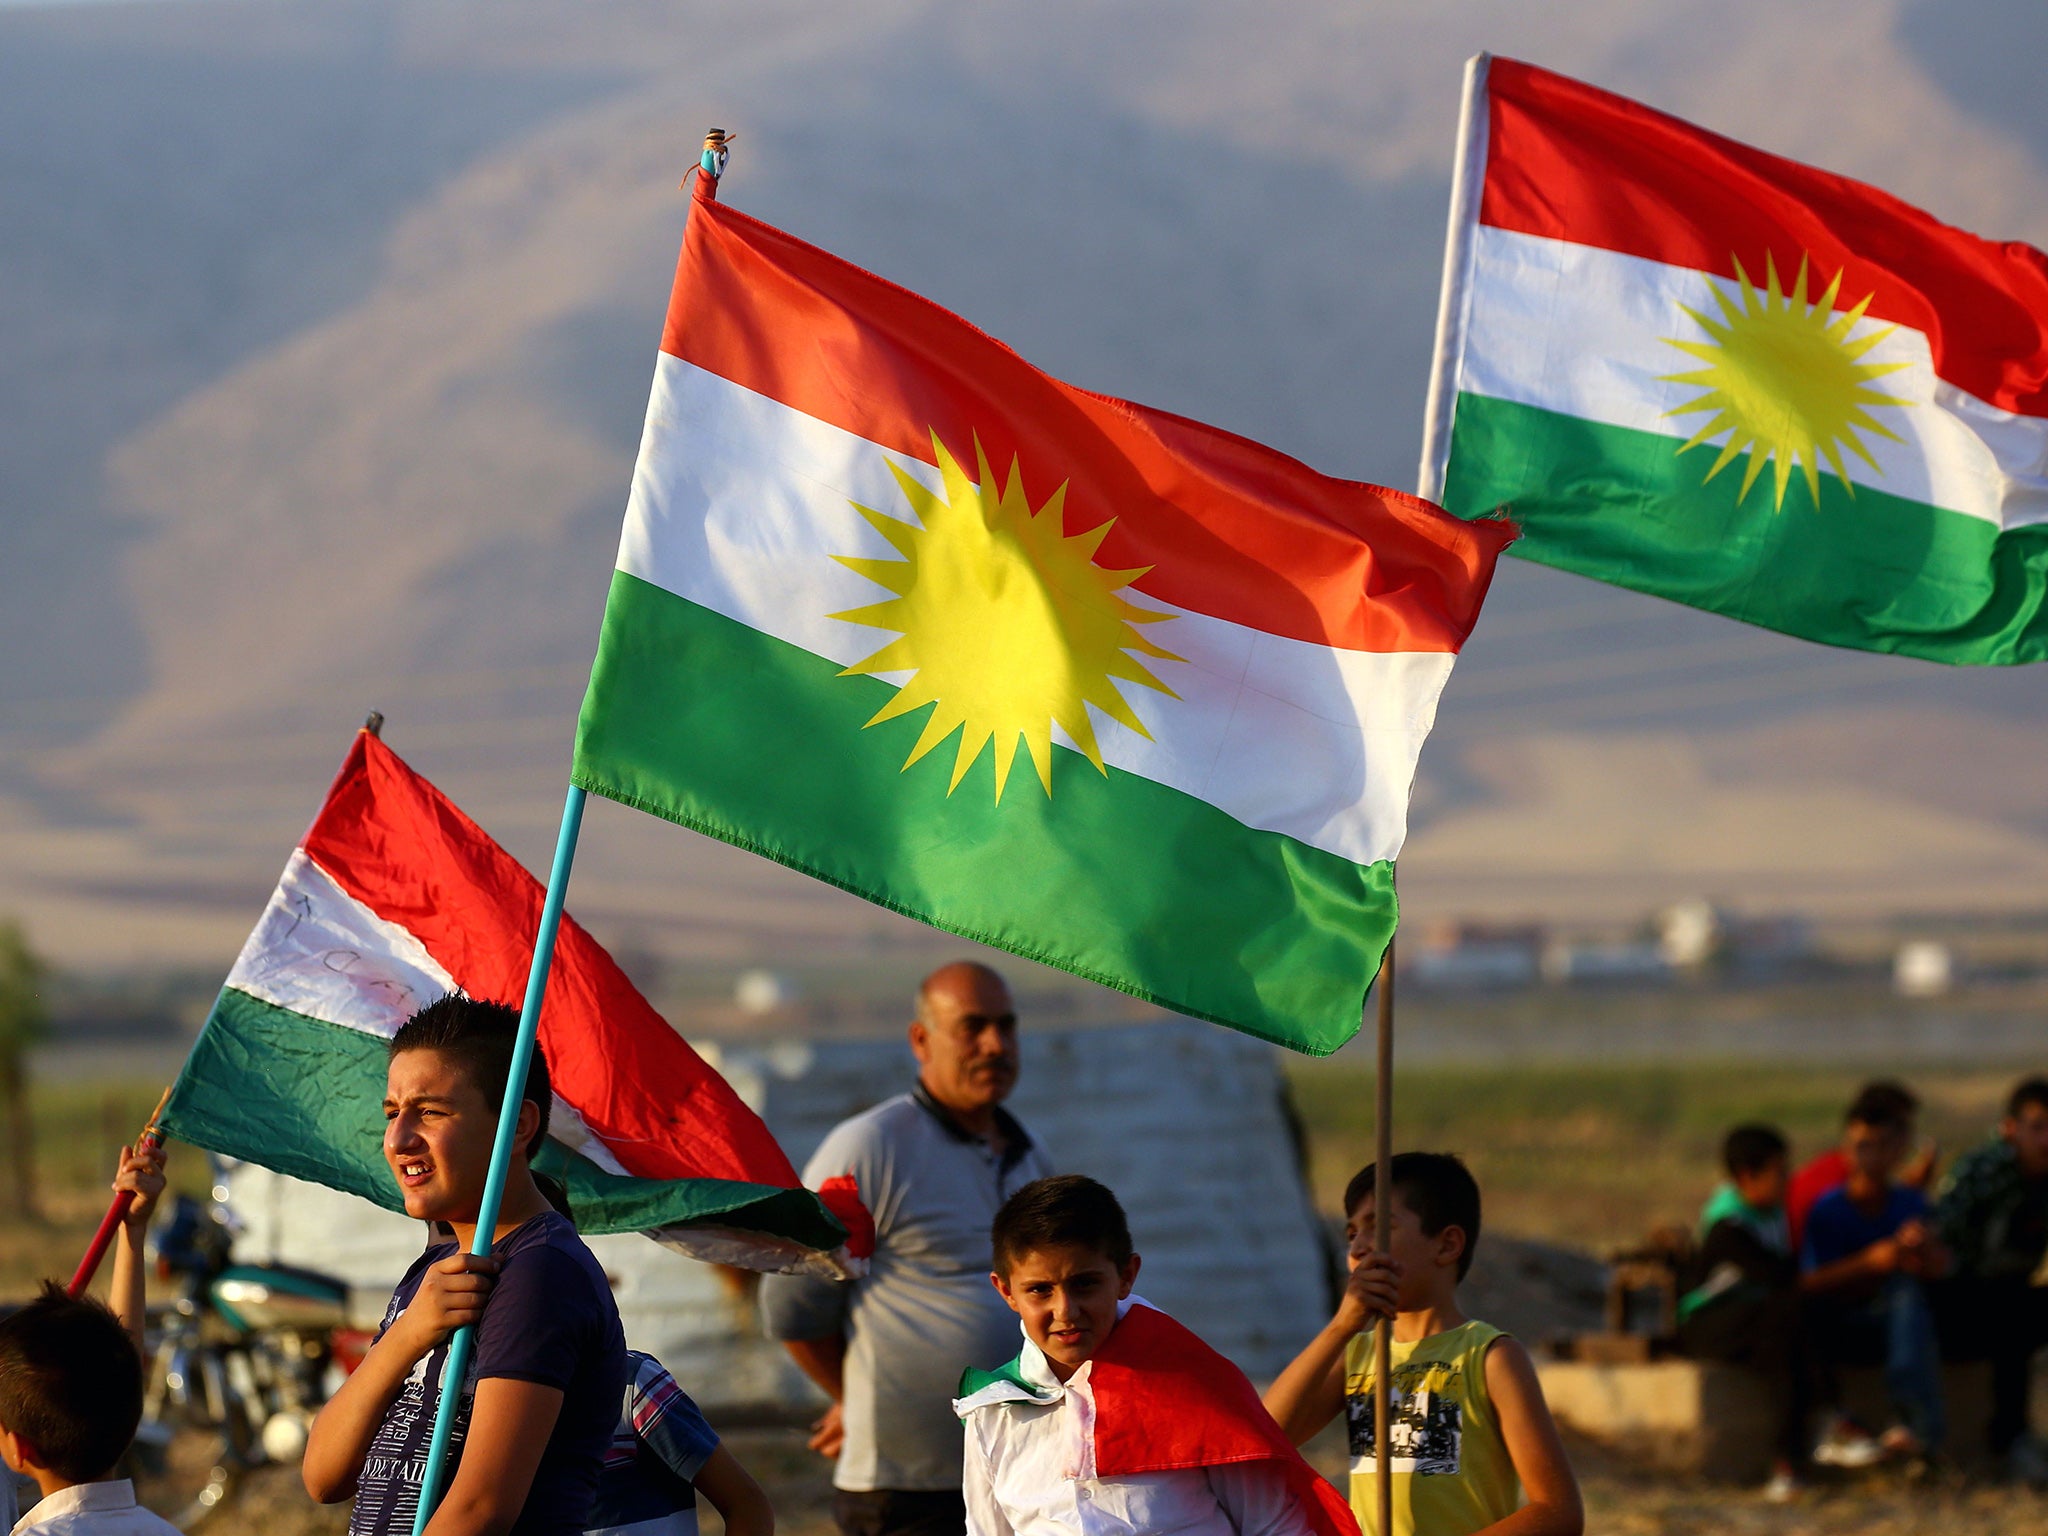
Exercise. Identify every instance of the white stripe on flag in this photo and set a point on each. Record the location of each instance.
(1587, 332)
(320, 952)
(740, 502)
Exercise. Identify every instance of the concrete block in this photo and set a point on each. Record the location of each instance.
(1719, 1421)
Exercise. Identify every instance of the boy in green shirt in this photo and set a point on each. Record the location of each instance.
(1743, 1306)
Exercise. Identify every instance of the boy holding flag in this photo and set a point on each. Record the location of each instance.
(1474, 1450)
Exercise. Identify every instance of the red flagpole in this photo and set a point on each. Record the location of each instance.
(111, 1222)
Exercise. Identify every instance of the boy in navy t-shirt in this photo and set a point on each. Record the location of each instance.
(541, 1399)
(551, 1321)
(1867, 1247)
(662, 1456)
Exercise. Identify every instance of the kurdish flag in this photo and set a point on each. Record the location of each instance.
(396, 898)
(1734, 381)
(1085, 681)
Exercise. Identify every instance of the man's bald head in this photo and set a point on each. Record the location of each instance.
(965, 1040)
(966, 982)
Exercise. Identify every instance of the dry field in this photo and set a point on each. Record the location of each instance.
(1621, 1501)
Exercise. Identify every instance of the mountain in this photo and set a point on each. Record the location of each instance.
(325, 332)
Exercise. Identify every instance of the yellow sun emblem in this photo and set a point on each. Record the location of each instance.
(1785, 380)
(1007, 625)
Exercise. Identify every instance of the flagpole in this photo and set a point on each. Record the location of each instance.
(117, 1210)
(711, 164)
(1382, 1242)
(1468, 176)
(461, 1346)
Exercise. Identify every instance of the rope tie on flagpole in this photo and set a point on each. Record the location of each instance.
(463, 1343)
(710, 164)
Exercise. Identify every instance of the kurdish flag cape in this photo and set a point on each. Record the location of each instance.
(1167, 1402)
(1085, 681)
(1738, 382)
(395, 898)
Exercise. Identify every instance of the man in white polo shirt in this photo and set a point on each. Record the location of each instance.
(933, 1166)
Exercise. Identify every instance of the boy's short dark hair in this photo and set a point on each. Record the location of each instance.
(480, 1035)
(2032, 1090)
(1886, 1104)
(1067, 1210)
(1751, 1149)
(1437, 1187)
(70, 1383)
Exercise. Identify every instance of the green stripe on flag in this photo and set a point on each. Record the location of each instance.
(304, 1097)
(1873, 572)
(704, 721)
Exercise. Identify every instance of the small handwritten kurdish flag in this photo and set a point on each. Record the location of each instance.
(395, 898)
(1728, 379)
(1085, 681)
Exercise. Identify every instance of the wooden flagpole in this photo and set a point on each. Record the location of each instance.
(1382, 1236)
(1468, 172)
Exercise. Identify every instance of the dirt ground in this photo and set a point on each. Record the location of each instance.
(1620, 1501)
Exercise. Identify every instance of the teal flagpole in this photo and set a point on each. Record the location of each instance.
(711, 164)
(464, 1342)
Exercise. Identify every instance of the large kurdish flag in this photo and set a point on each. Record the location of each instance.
(396, 898)
(1690, 367)
(1089, 682)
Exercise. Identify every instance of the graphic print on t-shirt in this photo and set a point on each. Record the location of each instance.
(1427, 1426)
(388, 1487)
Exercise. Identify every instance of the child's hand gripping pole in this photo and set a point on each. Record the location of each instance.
(111, 1222)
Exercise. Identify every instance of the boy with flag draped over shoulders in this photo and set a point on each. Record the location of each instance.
(1115, 1420)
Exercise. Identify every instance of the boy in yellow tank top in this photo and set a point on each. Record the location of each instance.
(1473, 1446)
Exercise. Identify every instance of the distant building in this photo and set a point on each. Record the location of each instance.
(1568, 962)
(1690, 934)
(1475, 956)
(1697, 935)
(1923, 968)
(1767, 948)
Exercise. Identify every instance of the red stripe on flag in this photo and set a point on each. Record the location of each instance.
(1228, 527)
(403, 849)
(1571, 162)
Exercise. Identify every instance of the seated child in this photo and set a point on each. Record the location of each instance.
(662, 1457)
(1114, 1418)
(1745, 1307)
(1993, 1215)
(70, 1398)
(1826, 1172)
(1470, 1432)
(1868, 1245)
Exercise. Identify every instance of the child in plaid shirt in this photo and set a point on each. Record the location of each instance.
(663, 1455)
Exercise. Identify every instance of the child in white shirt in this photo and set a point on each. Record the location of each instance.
(1115, 1420)
(70, 1398)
